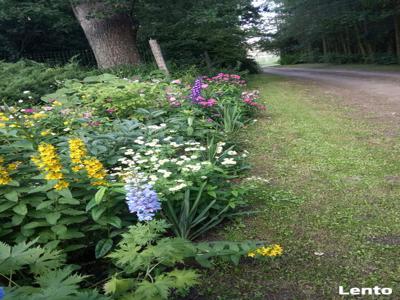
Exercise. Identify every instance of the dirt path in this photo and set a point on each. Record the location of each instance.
(374, 95)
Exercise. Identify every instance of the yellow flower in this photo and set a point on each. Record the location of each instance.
(13, 166)
(39, 115)
(57, 103)
(77, 152)
(45, 132)
(4, 175)
(4, 118)
(48, 161)
(79, 157)
(2, 125)
(95, 170)
(61, 185)
(29, 123)
(274, 250)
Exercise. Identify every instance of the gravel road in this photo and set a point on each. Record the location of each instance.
(376, 95)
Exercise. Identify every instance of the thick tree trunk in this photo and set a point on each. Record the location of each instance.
(111, 35)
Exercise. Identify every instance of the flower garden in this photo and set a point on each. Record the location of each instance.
(110, 185)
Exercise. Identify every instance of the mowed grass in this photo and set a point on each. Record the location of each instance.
(333, 201)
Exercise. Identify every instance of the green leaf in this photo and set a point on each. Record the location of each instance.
(66, 193)
(42, 188)
(12, 196)
(97, 212)
(103, 247)
(21, 209)
(52, 218)
(184, 278)
(100, 194)
(44, 204)
(5, 206)
(35, 224)
(24, 144)
(71, 201)
(114, 221)
(118, 286)
(91, 204)
(14, 183)
(59, 229)
(212, 194)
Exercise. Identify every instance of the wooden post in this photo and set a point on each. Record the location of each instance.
(155, 48)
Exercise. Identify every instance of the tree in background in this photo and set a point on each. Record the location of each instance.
(192, 31)
(338, 31)
(189, 31)
(38, 26)
(110, 29)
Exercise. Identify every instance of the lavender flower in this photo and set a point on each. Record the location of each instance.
(196, 90)
(143, 201)
(2, 292)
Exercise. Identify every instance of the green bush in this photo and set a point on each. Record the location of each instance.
(111, 95)
(37, 78)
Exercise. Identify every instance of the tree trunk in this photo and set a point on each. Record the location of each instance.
(324, 46)
(111, 35)
(359, 42)
(397, 35)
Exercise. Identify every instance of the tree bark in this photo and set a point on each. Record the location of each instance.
(111, 35)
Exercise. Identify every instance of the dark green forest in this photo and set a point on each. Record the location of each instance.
(188, 31)
(336, 31)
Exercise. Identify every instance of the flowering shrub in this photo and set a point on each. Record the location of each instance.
(105, 153)
(110, 95)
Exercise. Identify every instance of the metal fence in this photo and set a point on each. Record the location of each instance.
(84, 57)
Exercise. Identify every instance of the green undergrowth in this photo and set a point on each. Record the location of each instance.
(329, 197)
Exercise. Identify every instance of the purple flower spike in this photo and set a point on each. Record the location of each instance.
(196, 90)
(143, 201)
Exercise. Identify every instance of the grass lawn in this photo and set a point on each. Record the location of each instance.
(332, 201)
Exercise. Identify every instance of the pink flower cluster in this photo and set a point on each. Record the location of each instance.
(173, 101)
(250, 98)
(206, 103)
(223, 77)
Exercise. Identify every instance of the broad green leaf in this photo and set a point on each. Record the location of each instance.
(59, 229)
(21, 209)
(5, 206)
(100, 194)
(97, 212)
(71, 201)
(52, 218)
(103, 247)
(114, 221)
(44, 204)
(12, 196)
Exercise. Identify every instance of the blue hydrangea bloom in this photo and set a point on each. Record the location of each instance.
(143, 201)
(2, 292)
(196, 90)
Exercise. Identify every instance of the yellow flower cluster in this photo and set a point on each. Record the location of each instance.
(94, 168)
(274, 250)
(4, 174)
(3, 119)
(77, 152)
(39, 115)
(48, 161)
